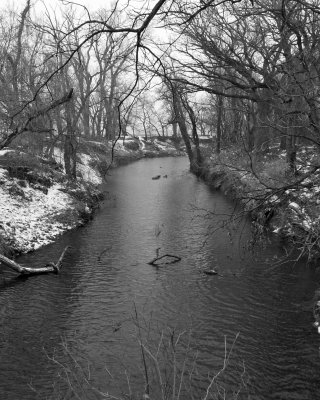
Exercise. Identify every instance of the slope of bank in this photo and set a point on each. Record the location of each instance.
(38, 202)
(278, 201)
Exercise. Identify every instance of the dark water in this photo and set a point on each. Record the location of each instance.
(83, 321)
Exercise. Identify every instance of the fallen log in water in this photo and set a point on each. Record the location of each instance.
(50, 267)
(165, 259)
(210, 271)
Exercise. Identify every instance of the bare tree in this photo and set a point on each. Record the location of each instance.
(265, 57)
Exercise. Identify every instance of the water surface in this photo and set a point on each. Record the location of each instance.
(86, 314)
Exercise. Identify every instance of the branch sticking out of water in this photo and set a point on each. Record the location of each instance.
(166, 259)
(50, 267)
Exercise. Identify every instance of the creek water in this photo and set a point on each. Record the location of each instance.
(85, 321)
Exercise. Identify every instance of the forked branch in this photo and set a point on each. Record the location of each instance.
(48, 268)
(166, 259)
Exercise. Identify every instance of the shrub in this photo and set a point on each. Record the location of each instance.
(169, 369)
(102, 166)
(131, 145)
(275, 171)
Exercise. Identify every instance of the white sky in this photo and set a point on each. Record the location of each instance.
(92, 5)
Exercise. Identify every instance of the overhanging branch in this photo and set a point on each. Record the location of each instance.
(41, 112)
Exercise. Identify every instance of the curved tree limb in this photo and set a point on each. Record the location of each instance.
(173, 260)
(41, 112)
(50, 267)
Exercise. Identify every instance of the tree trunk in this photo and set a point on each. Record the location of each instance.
(236, 120)
(291, 148)
(219, 109)
(263, 130)
(195, 136)
(70, 162)
(174, 130)
(179, 117)
(251, 126)
(86, 120)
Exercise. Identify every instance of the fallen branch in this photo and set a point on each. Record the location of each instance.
(172, 259)
(50, 267)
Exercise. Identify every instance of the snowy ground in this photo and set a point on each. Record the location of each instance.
(33, 215)
(29, 220)
(88, 173)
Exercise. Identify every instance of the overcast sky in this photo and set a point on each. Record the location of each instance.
(92, 5)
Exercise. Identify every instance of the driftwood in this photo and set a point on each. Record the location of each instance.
(50, 267)
(210, 272)
(172, 259)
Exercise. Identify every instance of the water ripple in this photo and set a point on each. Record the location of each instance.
(91, 306)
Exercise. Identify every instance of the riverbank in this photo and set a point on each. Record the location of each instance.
(279, 201)
(87, 309)
(39, 203)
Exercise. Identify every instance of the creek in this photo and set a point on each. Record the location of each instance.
(86, 316)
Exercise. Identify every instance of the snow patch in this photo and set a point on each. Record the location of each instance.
(4, 152)
(88, 173)
(142, 143)
(27, 225)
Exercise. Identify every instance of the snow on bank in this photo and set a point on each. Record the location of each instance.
(84, 166)
(6, 151)
(37, 203)
(35, 209)
(88, 173)
(30, 219)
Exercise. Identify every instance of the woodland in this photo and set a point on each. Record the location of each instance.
(235, 84)
(243, 73)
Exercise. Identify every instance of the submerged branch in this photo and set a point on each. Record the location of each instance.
(172, 259)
